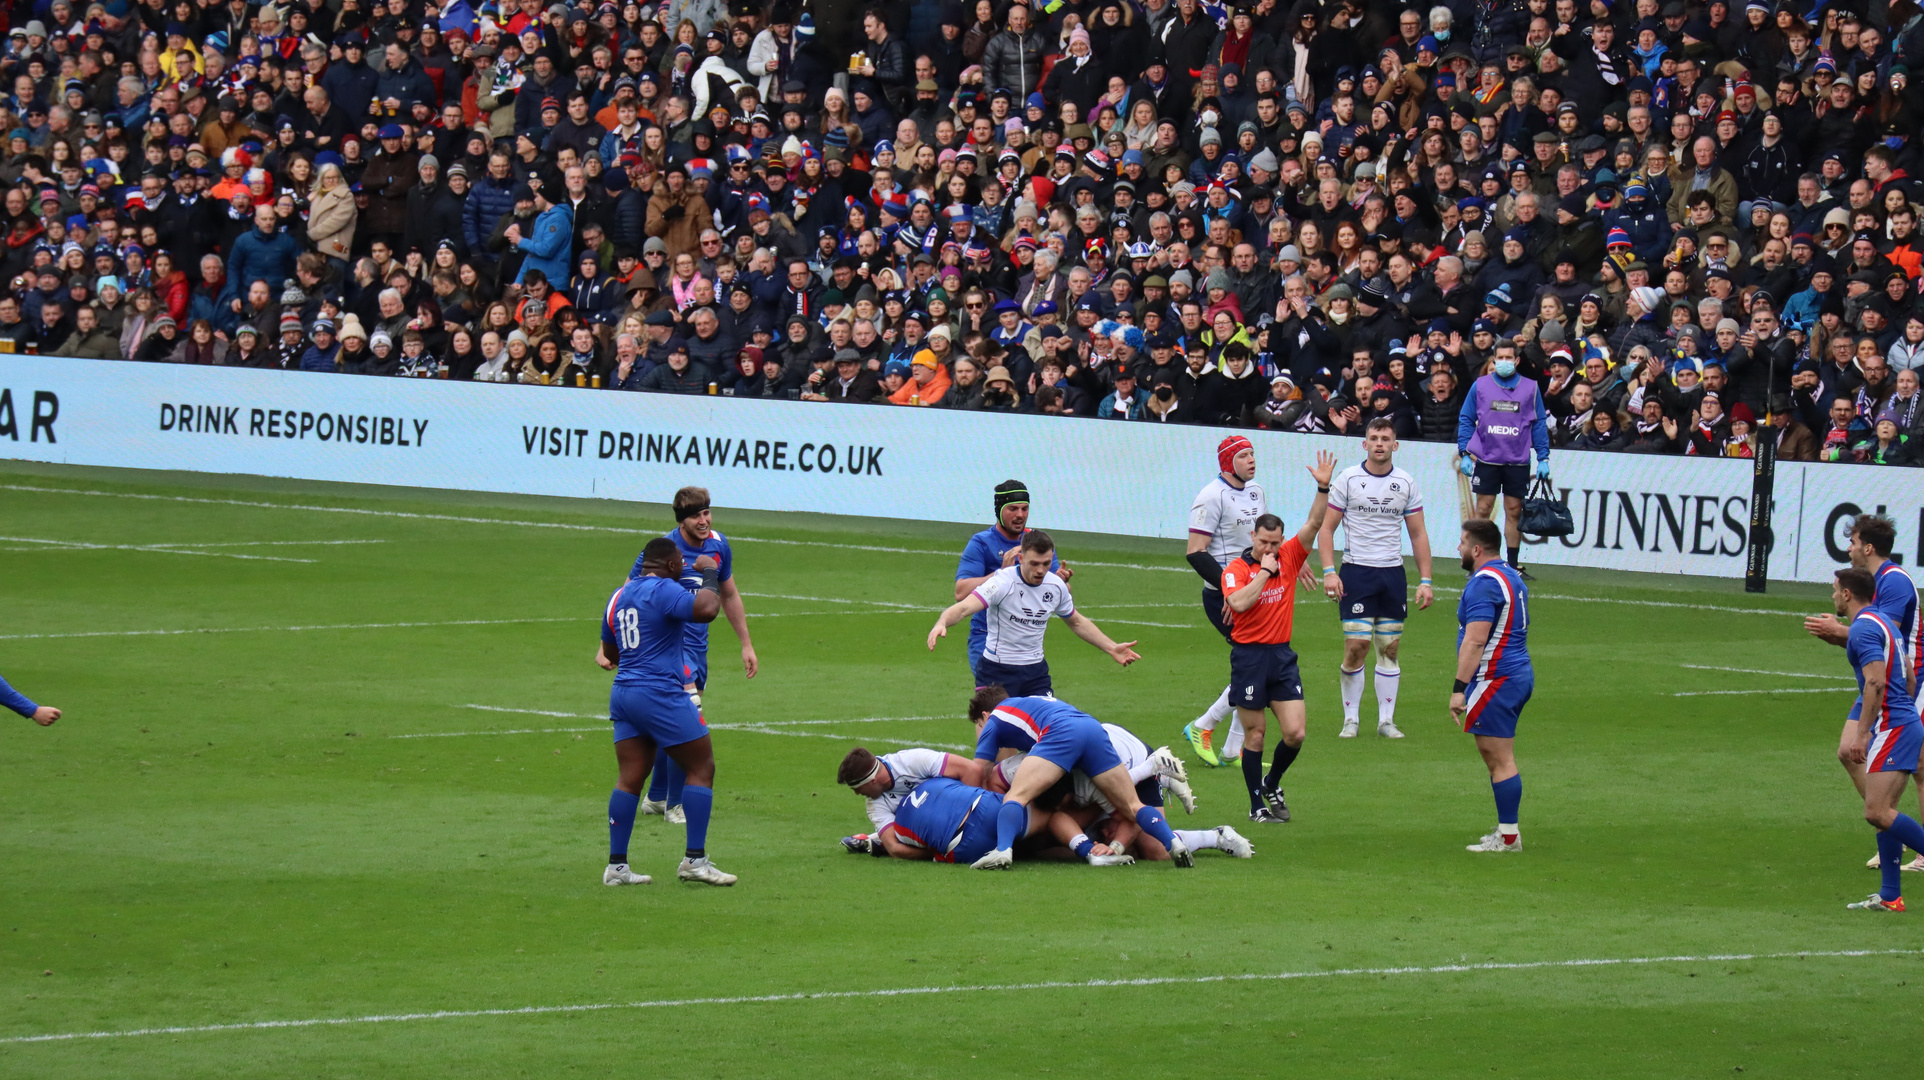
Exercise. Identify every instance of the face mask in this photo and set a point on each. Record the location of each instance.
(1339, 317)
(1441, 36)
(1164, 393)
(1505, 368)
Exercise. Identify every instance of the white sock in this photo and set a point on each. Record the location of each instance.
(1233, 746)
(1142, 772)
(1510, 833)
(1197, 839)
(1352, 684)
(1386, 684)
(1216, 712)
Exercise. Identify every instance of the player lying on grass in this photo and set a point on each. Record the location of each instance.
(1058, 738)
(947, 821)
(1083, 812)
(883, 782)
(886, 782)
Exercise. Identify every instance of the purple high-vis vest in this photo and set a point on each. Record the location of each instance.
(1503, 421)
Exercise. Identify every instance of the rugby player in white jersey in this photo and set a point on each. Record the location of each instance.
(1374, 502)
(884, 781)
(1219, 523)
(1020, 600)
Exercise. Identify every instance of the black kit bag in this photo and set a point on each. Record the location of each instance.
(1544, 514)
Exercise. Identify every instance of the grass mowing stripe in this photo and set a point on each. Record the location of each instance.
(919, 991)
(767, 540)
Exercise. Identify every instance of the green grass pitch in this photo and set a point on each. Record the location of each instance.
(230, 828)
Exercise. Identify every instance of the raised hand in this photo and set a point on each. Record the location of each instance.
(1324, 469)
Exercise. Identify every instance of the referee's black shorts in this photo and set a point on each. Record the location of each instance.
(1213, 607)
(1260, 674)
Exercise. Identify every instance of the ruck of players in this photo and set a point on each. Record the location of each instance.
(1050, 781)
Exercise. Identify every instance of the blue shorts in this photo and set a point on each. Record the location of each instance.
(1495, 705)
(1896, 749)
(1077, 741)
(695, 672)
(668, 717)
(1213, 607)
(1374, 592)
(1024, 680)
(978, 832)
(976, 645)
(1511, 480)
(1260, 674)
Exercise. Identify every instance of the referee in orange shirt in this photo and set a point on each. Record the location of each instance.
(1259, 590)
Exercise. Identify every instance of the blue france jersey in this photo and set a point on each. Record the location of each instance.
(1874, 638)
(1018, 723)
(932, 815)
(981, 557)
(644, 621)
(1497, 595)
(695, 636)
(1896, 595)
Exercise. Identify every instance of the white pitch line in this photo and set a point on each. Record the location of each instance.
(918, 991)
(273, 543)
(843, 600)
(758, 723)
(1739, 693)
(1757, 671)
(512, 731)
(282, 629)
(161, 549)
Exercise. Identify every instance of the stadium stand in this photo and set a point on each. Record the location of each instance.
(1698, 220)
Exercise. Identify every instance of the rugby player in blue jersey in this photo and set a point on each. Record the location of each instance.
(1494, 678)
(22, 704)
(695, 535)
(1889, 733)
(1871, 540)
(1057, 737)
(641, 641)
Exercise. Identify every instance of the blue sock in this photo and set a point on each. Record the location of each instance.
(621, 823)
(1011, 824)
(658, 778)
(1087, 845)
(1509, 795)
(1890, 863)
(1150, 819)
(676, 777)
(1909, 833)
(697, 802)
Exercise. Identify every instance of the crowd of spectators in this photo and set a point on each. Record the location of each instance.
(1699, 221)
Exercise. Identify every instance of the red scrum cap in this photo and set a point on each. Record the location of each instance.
(1227, 450)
